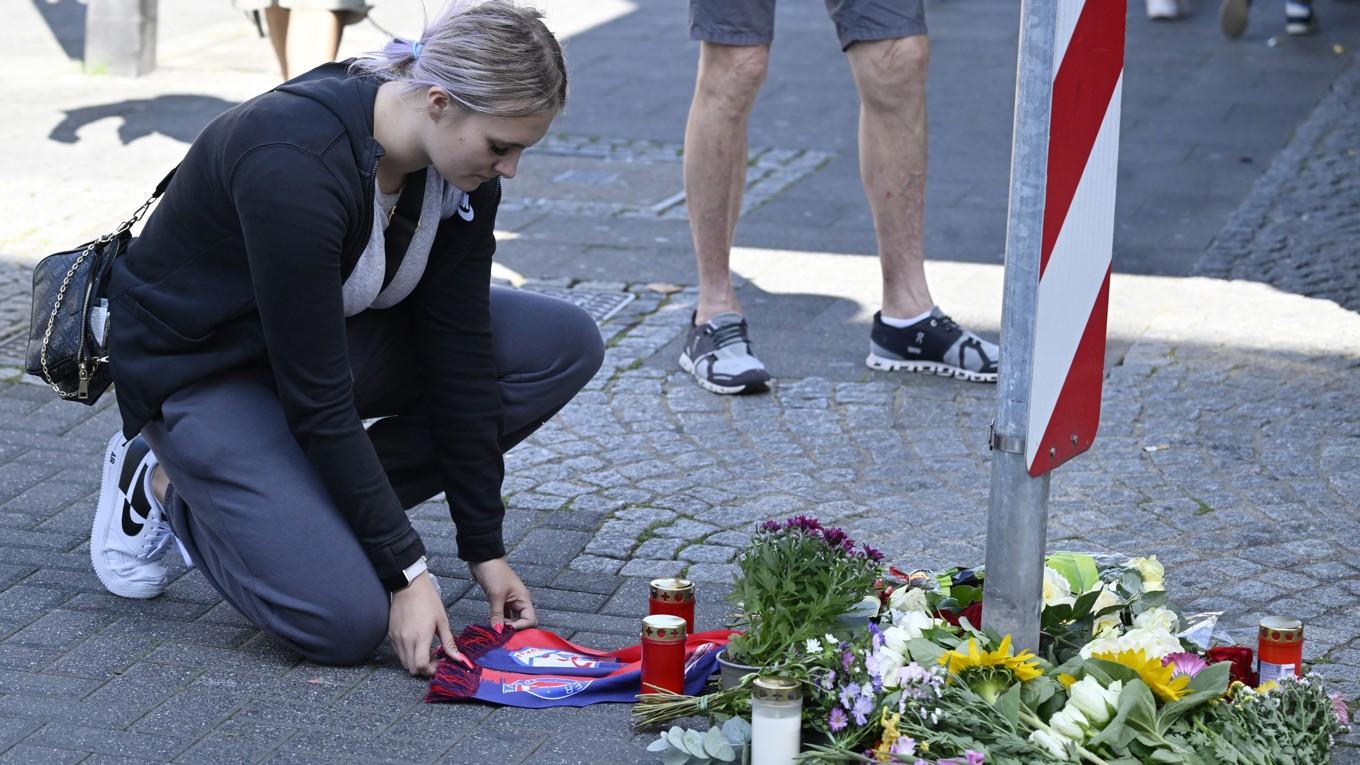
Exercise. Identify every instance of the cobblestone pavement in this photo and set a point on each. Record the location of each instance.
(1298, 229)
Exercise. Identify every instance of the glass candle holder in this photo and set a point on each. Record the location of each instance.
(776, 720)
(663, 653)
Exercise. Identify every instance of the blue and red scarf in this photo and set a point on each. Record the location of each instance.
(537, 669)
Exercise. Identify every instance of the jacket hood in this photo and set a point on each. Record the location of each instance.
(350, 97)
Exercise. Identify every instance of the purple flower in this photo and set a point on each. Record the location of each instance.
(849, 693)
(863, 706)
(829, 680)
(877, 632)
(836, 720)
(872, 554)
(973, 758)
(803, 523)
(834, 537)
(904, 745)
(770, 526)
(847, 659)
(1184, 663)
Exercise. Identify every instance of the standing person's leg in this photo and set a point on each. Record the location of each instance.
(276, 20)
(734, 54)
(889, 57)
(258, 523)
(313, 38)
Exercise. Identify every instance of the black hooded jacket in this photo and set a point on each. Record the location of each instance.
(242, 265)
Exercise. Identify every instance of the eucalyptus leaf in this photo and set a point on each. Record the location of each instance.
(717, 747)
(676, 737)
(674, 757)
(694, 743)
(737, 731)
(659, 745)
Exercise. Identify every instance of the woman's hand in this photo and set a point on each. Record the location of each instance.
(509, 598)
(417, 615)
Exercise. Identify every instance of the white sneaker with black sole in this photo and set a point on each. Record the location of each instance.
(130, 535)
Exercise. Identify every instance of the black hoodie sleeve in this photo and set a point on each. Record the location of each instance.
(463, 400)
(294, 228)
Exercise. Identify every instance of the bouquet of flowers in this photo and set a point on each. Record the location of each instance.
(1121, 677)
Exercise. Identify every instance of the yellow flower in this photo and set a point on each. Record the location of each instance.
(889, 722)
(1267, 686)
(1150, 670)
(1023, 666)
(1066, 680)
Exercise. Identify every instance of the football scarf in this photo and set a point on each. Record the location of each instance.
(537, 669)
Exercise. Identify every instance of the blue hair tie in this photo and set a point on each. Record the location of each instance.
(416, 48)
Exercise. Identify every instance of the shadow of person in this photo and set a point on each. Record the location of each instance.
(180, 117)
(66, 19)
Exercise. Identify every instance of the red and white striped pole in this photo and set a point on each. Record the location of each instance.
(1059, 240)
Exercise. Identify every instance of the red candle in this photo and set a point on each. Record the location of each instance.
(674, 597)
(1279, 650)
(663, 653)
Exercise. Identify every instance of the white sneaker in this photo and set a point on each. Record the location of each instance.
(130, 534)
(1165, 9)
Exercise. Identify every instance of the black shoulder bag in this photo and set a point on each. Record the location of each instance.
(68, 331)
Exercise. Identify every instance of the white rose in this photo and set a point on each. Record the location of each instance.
(1056, 588)
(1089, 696)
(1152, 572)
(1107, 598)
(1048, 741)
(913, 622)
(1069, 723)
(895, 640)
(908, 599)
(890, 665)
(1157, 618)
(1155, 643)
(1108, 643)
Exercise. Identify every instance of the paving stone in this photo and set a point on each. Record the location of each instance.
(651, 569)
(112, 742)
(29, 754)
(658, 549)
(708, 553)
(721, 573)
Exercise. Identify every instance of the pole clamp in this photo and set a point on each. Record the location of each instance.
(1001, 442)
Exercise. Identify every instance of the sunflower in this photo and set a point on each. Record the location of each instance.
(990, 674)
(1151, 671)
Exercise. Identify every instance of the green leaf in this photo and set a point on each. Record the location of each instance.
(965, 595)
(1136, 713)
(1079, 569)
(924, 652)
(1009, 704)
(676, 737)
(737, 731)
(716, 746)
(675, 757)
(1209, 684)
(1037, 691)
(1082, 608)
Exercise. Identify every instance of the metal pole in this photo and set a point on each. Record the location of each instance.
(120, 37)
(1018, 515)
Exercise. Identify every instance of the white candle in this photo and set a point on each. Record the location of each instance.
(776, 721)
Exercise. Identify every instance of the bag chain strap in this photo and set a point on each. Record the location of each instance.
(61, 295)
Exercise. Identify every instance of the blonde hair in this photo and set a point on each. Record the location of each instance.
(493, 58)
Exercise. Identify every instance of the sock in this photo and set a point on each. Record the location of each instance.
(904, 323)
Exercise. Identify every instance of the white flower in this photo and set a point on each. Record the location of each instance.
(895, 640)
(831, 641)
(890, 666)
(1157, 618)
(1107, 598)
(908, 599)
(914, 622)
(1094, 701)
(1050, 742)
(1057, 589)
(1152, 572)
(1108, 643)
(1069, 723)
(1156, 643)
(814, 645)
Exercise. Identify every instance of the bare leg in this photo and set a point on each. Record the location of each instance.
(313, 39)
(715, 163)
(276, 18)
(159, 484)
(891, 78)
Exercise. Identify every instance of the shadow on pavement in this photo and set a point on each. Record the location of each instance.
(66, 19)
(180, 117)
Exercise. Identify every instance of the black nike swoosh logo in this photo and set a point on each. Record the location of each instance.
(132, 476)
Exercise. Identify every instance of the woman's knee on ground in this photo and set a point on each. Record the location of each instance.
(339, 631)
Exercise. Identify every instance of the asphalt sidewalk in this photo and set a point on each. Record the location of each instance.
(1229, 444)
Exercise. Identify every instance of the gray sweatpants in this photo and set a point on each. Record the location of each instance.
(256, 519)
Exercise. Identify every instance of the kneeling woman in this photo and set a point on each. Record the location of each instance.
(321, 257)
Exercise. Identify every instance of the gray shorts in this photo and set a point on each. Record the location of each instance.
(351, 11)
(751, 22)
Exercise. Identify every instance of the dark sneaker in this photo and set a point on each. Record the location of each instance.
(934, 344)
(1232, 17)
(1299, 18)
(130, 535)
(718, 354)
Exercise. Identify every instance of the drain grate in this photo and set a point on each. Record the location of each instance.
(598, 303)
